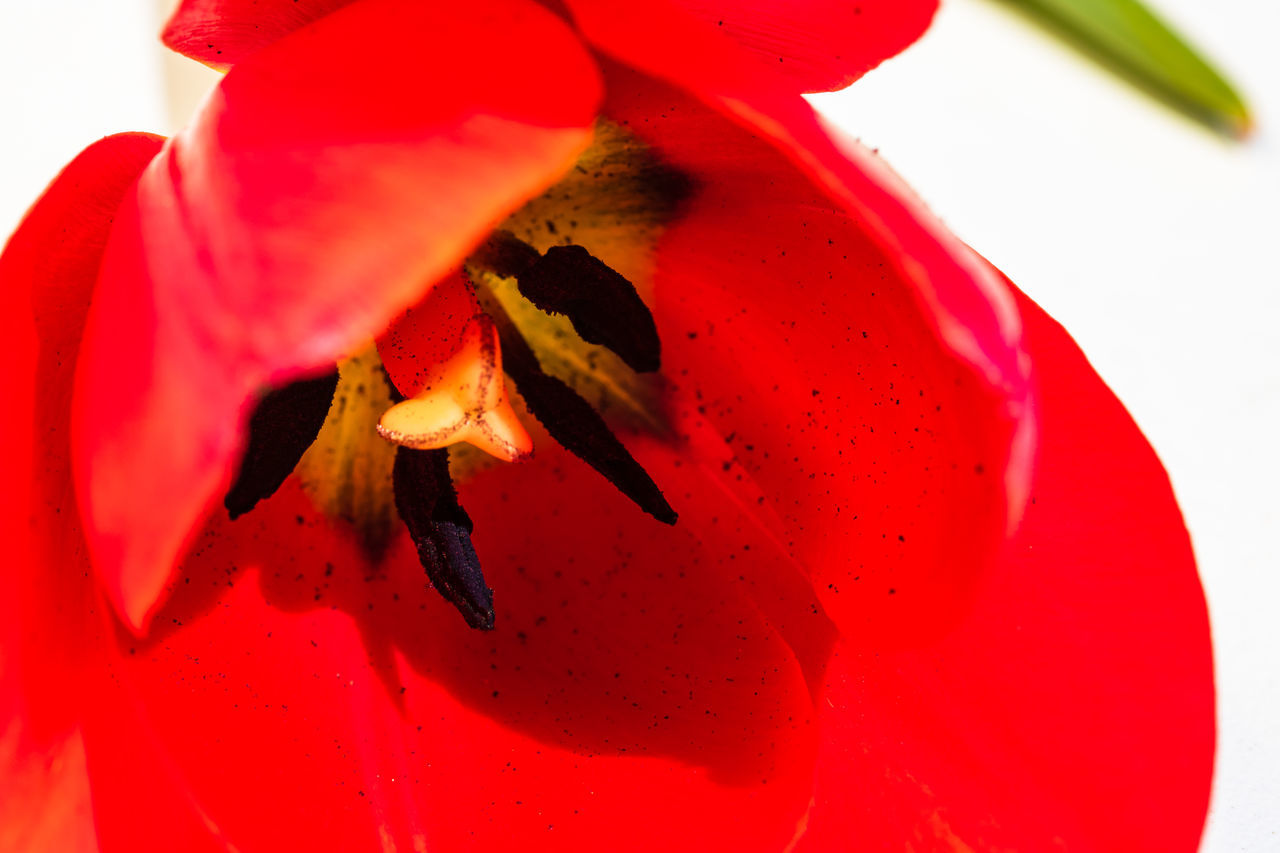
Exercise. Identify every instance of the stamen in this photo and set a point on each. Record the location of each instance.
(573, 422)
(284, 424)
(441, 530)
(602, 305)
(505, 254)
(464, 399)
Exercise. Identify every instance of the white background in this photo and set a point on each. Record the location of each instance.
(1153, 241)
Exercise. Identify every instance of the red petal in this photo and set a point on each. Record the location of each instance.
(967, 304)
(312, 702)
(49, 644)
(817, 45)
(855, 434)
(1074, 709)
(310, 202)
(221, 33)
(140, 803)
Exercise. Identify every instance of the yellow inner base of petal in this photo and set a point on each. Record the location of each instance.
(615, 202)
(347, 472)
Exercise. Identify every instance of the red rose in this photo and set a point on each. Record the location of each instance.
(928, 589)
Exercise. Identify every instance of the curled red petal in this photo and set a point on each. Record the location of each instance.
(277, 233)
(1074, 707)
(221, 33)
(815, 45)
(48, 643)
(48, 268)
(629, 675)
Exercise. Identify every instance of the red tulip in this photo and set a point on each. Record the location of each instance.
(928, 589)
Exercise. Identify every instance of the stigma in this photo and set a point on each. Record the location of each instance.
(464, 399)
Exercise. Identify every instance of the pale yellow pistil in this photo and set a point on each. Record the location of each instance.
(463, 399)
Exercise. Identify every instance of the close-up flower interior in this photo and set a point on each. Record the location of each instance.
(529, 425)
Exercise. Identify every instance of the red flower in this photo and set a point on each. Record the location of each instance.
(929, 588)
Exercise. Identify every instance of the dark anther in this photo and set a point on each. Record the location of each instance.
(580, 430)
(441, 530)
(281, 428)
(506, 254)
(572, 422)
(602, 305)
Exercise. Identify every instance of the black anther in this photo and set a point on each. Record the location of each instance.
(283, 425)
(602, 305)
(574, 423)
(441, 530)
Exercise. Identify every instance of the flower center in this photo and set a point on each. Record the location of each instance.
(567, 328)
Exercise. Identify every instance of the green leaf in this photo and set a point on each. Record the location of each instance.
(1125, 36)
